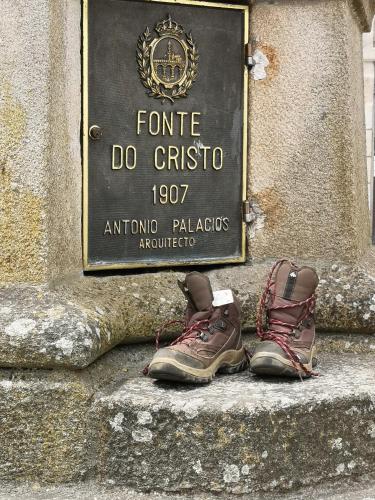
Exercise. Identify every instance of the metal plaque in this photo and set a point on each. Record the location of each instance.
(164, 133)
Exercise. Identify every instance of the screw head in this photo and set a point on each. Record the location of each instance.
(95, 132)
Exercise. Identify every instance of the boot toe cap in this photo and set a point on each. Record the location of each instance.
(174, 365)
(173, 355)
(268, 347)
(270, 359)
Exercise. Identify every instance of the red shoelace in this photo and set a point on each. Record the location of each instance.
(282, 338)
(189, 333)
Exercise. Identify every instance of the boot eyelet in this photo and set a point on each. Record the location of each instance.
(220, 325)
(296, 334)
(203, 336)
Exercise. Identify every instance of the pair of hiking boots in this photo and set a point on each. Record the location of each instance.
(211, 340)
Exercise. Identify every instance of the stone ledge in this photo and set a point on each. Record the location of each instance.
(41, 328)
(73, 324)
(240, 434)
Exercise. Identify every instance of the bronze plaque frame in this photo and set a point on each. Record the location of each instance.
(97, 266)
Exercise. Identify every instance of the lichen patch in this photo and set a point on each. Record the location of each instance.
(116, 422)
(231, 474)
(142, 435)
(20, 327)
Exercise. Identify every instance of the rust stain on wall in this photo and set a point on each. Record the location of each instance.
(272, 205)
(274, 61)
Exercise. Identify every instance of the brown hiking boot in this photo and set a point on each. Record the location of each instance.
(287, 347)
(211, 340)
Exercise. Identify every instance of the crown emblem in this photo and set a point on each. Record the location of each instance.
(167, 63)
(169, 27)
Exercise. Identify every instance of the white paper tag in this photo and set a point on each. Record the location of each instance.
(222, 298)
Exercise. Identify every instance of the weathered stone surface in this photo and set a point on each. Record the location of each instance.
(356, 489)
(240, 434)
(346, 297)
(306, 179)
(61, 425)
(40, 161)
(307, 173)
(339, 344)
(42, 329)
(44, 427)
(45, 420)
(75, 323)
(365, 10)
(72, 326)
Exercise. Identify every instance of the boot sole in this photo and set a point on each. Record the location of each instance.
(228, 362)
(274, 364)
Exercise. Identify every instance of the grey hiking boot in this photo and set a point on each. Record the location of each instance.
(210, 342)
(287, 346)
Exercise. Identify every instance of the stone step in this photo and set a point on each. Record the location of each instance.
(109, 425)
(241, 434)
(344, 489)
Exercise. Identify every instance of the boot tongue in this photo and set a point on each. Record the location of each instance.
(200, 316)
(292, 284)
(200, 291)
(295, 283)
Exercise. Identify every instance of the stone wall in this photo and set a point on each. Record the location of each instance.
(67, 421)
(307, 169)
(307, 174)
(40, 159)
(307, 183)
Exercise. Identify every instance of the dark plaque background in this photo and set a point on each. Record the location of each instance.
(115, 94)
